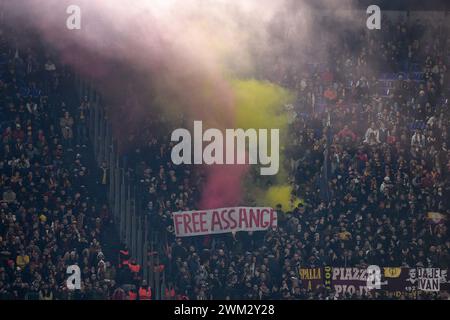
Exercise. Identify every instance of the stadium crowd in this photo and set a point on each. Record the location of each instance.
(369, 159)
(53, 212)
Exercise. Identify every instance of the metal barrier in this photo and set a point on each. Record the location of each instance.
(123, 199)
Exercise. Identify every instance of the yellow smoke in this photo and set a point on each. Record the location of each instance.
(260, 105)
(280, 194)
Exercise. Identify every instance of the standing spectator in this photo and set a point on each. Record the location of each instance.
(66, 124)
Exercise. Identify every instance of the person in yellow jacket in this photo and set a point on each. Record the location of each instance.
(22, 259)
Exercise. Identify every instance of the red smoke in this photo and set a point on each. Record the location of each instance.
(223, 188)
(135, 57)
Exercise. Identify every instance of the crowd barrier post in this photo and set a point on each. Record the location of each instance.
(123, 223)
(151, 266)
(127, 218)
(116, 193)
(145, 263)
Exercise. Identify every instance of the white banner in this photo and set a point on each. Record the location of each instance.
(429, 279)
(223, 220)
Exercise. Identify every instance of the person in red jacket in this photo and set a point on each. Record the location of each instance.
(169, 293)
(346, 134)
(132, 295)
(124, 256)
(144, 291)
(134, 272)
(134, 266)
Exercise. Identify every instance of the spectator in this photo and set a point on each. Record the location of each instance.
(66, 123)
(372, 135)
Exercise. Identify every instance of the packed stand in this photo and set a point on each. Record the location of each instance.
(369, 158)
(53, 210)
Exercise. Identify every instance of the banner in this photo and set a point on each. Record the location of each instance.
(223, 220)
(394, 281)
(349, 281)
(429, 279)
(311, 278)
(420, 279)
(400, 281)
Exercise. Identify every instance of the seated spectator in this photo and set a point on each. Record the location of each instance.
(372, 135)
(346, 134)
